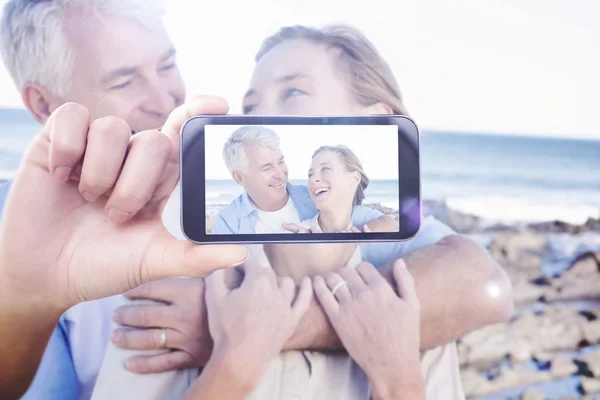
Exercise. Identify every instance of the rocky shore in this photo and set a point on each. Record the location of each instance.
(550, 349)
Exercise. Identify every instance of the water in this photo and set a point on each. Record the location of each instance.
(501, 178)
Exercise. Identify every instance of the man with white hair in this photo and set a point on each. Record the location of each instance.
(256, 163)
(115, 58)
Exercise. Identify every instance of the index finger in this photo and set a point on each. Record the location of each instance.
(199, 105)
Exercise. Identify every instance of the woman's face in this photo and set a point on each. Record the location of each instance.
(299, 77)
(329, 182)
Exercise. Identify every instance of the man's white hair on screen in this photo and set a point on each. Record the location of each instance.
(35, 47)
(234, 151)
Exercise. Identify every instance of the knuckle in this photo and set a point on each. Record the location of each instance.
(153, 142)
(154, 340)
(110, 126)
(141, 316)
(71, 109)
(95, 183)
(171, 364)
(130, 197)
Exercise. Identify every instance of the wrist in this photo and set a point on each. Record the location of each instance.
(398, 382)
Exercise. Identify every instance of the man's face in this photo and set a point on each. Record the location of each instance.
(124, 69)
(265, 177)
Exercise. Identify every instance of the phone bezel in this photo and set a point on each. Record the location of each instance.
(193, 185)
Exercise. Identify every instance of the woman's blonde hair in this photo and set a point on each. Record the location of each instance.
(371, 78)
(352, 164)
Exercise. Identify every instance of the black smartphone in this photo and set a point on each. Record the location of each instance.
(286, 179)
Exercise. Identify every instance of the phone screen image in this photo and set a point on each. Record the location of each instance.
(298, 179)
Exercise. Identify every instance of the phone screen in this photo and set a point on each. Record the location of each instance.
(289, 179)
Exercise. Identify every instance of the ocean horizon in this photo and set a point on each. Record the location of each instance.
(502, 178)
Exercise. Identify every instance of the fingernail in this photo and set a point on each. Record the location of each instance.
(117, 216)
(115, 336)
(240, 253)
(89, 197)
(115, 316)
(62, 173)
(402, 264)
(129, 365)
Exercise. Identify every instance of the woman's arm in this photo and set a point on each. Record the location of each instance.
(348, 298)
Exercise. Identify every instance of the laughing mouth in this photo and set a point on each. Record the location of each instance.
(278, 185)
(320, 191)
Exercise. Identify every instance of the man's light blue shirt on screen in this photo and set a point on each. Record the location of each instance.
(241, 216)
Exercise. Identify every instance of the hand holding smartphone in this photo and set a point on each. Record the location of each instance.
(259, 179)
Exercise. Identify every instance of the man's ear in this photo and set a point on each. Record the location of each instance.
(39, 101)
(379, 108)
(237, 177)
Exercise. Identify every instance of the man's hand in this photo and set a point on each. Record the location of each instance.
(294, 228)
(180, 311)
(359, 302)
(83, 219)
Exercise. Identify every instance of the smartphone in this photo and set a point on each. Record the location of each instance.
(287, 179)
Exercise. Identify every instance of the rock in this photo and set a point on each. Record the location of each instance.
(533, 394)
(585, 264)
(462, 223)
(590, 385)
(525, 293)
(209, 223)
(591, 332)
(511, 378)
(593, 361)
(555, 227)
(591, 225)
(473, 382)
(562, 367)
(519, 250)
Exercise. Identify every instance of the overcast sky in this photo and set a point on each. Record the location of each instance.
(504, 66)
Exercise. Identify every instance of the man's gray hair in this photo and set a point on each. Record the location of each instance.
(234, 151)
(33, 44)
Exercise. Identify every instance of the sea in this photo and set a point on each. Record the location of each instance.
(500, 178)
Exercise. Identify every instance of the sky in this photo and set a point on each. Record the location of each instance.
(379, 164)
(494, 66)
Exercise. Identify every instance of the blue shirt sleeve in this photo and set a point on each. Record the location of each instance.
(362, 215)
(56, 378)
(220, 226)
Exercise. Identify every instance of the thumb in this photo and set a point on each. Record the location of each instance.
(168, 257)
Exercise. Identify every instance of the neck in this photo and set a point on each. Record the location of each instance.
(335, 221)
(271, 207)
